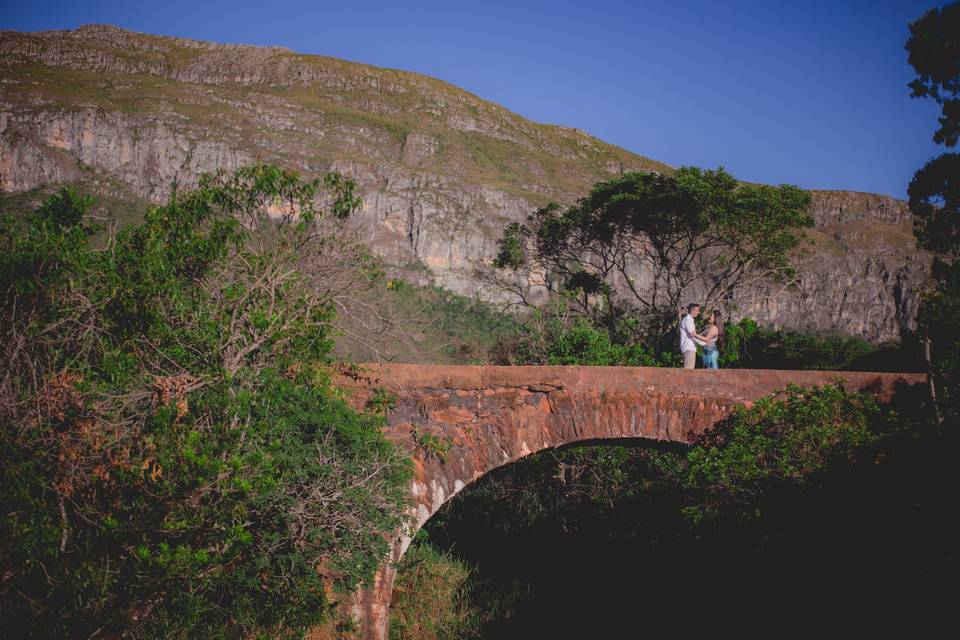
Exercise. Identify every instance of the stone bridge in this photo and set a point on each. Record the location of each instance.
(460, 422)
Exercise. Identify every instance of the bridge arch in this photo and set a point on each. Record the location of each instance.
(461, 422)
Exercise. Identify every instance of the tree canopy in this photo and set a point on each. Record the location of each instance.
(934, 53)
(638, 243)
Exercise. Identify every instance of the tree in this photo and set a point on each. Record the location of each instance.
(638, 243)
(934, 53)
(174, 461)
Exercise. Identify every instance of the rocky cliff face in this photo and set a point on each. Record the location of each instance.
(440, 169)
(862, 273)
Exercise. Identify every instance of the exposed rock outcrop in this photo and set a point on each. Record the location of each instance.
(440, 169)
(862, 273)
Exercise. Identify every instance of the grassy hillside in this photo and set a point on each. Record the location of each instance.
(262, 96)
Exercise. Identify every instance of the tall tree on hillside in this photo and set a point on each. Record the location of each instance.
(637, 243)
(934, 52)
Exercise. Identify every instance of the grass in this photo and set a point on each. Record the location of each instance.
(432, 596)
(899, 236)
(432, 324)
(824, 242)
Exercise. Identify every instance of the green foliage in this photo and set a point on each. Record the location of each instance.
(935, 201)
(940, 321)
(789, 439)
(679, 228)
(381, 401)
(510, 249)
(562, 340)
(736, 338)
(750, 346)
(934, 53)
(583, 344)
(459, 329)
(557, 338)
(435, 445)
(832, 352)
(934, 48)
(173, 459)
(432, 596)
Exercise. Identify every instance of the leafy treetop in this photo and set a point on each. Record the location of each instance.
(934, 53)
(641, 241)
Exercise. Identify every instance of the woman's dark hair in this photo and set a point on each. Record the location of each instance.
(718, 320)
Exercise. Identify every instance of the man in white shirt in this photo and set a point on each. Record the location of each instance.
(688, 336)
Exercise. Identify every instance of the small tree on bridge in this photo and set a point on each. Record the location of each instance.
(639, 242)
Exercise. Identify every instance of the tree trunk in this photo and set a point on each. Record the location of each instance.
(930, 378)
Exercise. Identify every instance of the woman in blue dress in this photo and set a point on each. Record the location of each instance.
(713, 340)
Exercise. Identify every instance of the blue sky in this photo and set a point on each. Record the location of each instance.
(810, 93)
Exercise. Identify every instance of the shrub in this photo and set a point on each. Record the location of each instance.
(173, 459)
(785, 440)
(563, 340)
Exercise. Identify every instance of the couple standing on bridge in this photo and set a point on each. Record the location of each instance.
(711, 341)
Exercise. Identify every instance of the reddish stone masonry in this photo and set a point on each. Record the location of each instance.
(460, 422)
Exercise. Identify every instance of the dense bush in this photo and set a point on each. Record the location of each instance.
(753, 347)
(553, 337)
(940, 320)
(789, 439)
(174, 461)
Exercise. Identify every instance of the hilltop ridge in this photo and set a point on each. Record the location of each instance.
(440, 169)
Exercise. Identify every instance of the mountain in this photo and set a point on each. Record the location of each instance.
(124, 115)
